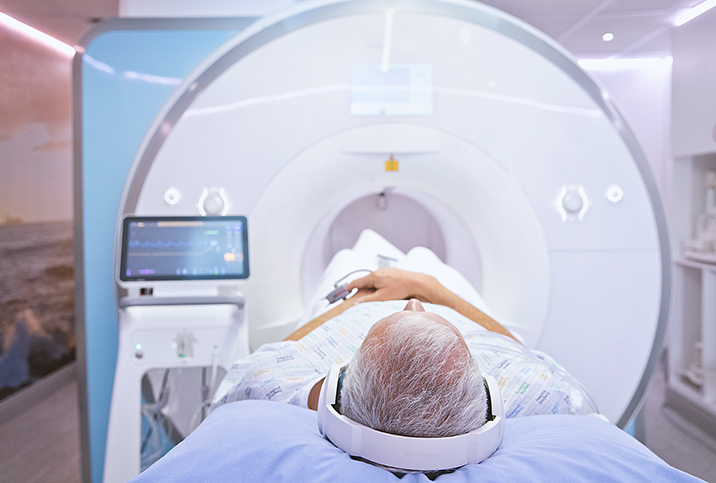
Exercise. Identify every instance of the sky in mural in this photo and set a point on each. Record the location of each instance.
(35, 131)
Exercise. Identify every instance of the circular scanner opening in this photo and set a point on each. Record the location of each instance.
(399, 219)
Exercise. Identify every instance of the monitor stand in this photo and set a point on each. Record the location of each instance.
(165, 332)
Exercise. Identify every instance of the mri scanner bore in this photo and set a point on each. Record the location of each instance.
(439, 123)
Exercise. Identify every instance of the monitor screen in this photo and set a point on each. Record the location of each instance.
(184, 248)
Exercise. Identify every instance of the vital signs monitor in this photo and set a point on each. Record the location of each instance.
(184, 248)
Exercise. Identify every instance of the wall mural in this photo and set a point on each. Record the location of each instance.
(37, 334)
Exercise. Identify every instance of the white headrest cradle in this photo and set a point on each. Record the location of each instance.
(403, 452)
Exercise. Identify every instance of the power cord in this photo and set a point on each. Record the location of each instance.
(207, 391)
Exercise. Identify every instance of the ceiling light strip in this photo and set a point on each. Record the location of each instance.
(387, 39)
(37, 35)
(614, 64)
(694, 12)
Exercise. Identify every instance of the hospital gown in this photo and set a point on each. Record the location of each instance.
(530, 382)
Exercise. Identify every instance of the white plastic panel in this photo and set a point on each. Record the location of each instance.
(515, 105)
(601, 321)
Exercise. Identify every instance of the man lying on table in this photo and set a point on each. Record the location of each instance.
(413, 369)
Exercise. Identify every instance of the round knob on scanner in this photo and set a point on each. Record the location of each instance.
(572, 203)
(213, 201)
(213, 204)
(615, 194)
(172, 196)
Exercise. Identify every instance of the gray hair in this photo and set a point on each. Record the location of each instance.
(419, 380)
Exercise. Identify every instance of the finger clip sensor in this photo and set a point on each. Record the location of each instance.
(338, 293)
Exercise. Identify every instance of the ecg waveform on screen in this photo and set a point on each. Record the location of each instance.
(161, 244)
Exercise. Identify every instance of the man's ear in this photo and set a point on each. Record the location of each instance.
(314, 395)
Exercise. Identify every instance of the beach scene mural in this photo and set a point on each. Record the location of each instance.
(37, 333)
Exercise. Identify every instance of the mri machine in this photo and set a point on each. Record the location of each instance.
(441, 123)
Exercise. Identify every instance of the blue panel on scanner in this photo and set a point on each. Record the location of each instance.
(125, 78)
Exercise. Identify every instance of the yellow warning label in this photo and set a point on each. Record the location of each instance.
(391, 164)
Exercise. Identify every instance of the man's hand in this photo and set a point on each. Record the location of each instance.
(394, 284)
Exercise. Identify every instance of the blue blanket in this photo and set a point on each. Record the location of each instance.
(268, 442)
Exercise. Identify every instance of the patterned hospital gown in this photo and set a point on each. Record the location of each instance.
(530, 382)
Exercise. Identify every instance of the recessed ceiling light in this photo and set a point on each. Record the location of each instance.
(608, 37)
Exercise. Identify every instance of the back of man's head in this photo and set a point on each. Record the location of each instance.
(418, 379)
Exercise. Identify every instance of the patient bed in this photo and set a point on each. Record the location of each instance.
(261, 441)
(269, 441)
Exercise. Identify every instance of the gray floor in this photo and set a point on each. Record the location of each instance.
(682, 446)
(41, 444)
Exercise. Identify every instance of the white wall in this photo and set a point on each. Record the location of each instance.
(694, 95)
(641, 90)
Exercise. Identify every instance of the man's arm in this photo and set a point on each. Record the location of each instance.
(394, 284)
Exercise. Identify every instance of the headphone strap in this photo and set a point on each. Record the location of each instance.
(339, 389)
(490, 414)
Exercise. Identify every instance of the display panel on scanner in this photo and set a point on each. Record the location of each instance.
(184, 248)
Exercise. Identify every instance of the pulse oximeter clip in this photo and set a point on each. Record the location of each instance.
(340, 292)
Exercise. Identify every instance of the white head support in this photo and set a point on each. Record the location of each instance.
(409, 453)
